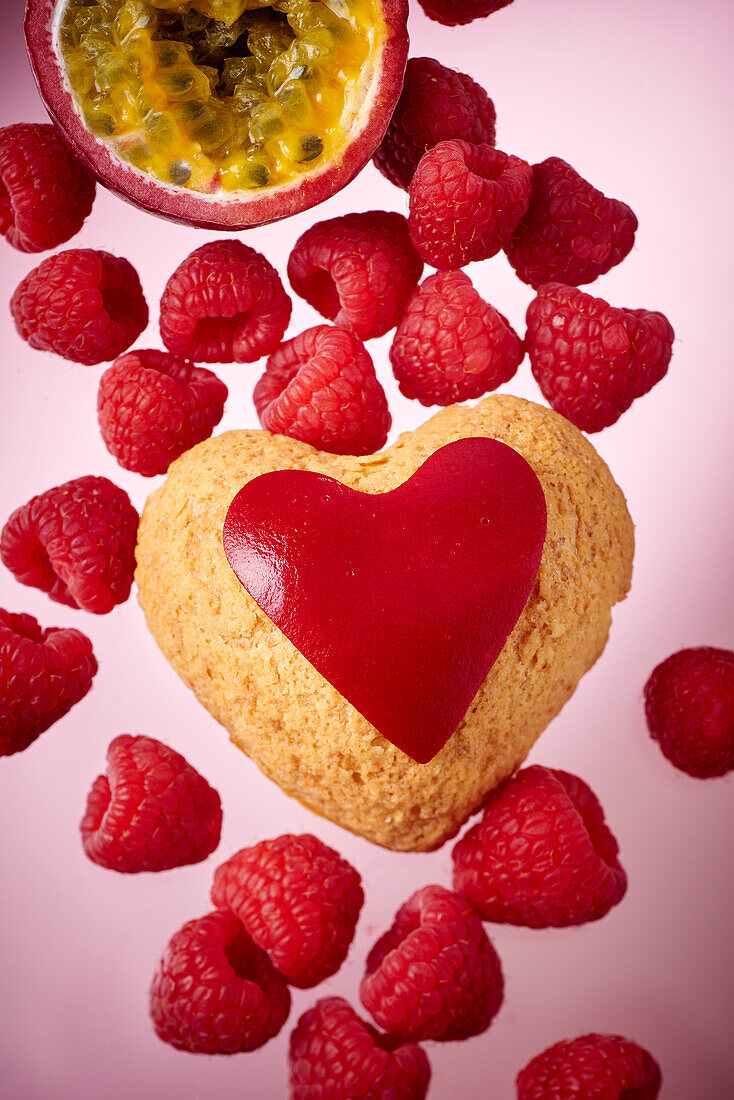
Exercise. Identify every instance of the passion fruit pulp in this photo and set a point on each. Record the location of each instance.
(220, 113)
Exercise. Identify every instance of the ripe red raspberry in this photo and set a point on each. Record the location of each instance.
(153, 406)
(76, 542)
(451, 345)
(224, 303)
(215, 992)
(45, 192)
(465, 201)
(334, 1055)
(321, 388)
(43, 673)
(454, 13)
(434, 975)
(298, 899)
(151, 811)
(571, 232)
(592, 1067)
(689, 707)
(84, 305)
(542, 855)
(590, 359)
(436, 104)
(358, 270)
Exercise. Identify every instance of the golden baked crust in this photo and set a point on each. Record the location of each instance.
(280, 711)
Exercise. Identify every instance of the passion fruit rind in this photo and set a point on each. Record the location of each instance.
(220, 113)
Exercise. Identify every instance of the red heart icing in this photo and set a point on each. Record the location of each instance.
(401, 600)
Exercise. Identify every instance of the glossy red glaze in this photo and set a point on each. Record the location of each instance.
(402, 600)
(236, 210)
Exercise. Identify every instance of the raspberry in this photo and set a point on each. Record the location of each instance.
(321, 388)
(76, 542)
(689, 707)
(215, 992)
(590, 359)
(358, 270)
(451, 345)
(84, 305)
(571, 232)
(334, 1055)
(465, 201)
(151, 811)
(224, 303)
(455, 13)
(436, 104)
(592, 1067)
(298, 899)
(45, 192)
(542, 855)
(434, 975)
(153, 406)
(43, 673)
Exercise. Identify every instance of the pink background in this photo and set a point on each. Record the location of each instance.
(638, 97)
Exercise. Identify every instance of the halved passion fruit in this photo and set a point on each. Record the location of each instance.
(220, 113)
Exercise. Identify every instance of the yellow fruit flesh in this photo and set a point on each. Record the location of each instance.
(221, 95)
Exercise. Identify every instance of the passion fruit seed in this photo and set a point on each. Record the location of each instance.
(311, 147)
(219, 94)
(100, 122)
(179, 172)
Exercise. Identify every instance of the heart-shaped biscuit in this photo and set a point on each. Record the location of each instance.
(279, 710)
(402, 600)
